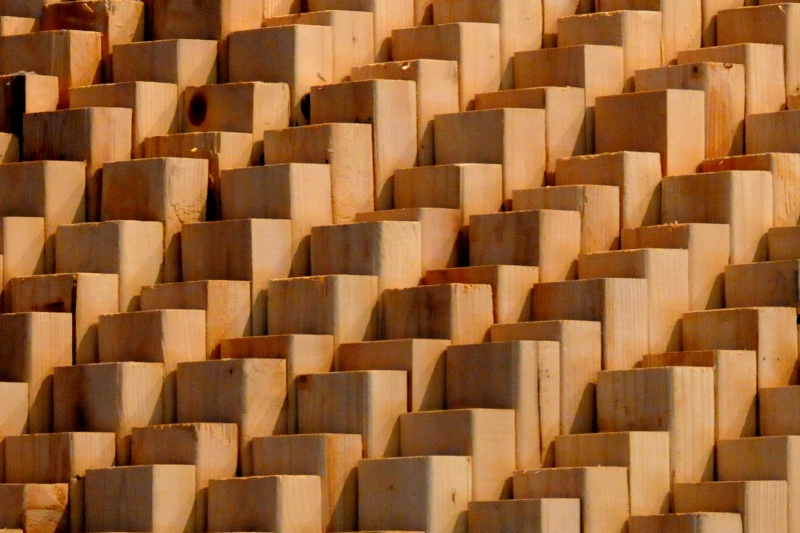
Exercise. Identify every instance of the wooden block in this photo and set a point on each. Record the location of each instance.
(782, 243)
(602, 490)
(300, 192)
(547, 238)
(680, 401)
(183, 62)
(423, 361)
(134, 250)
(14, 416)
(341, 305)
(486, 435)
(414, 493)
(169, 190)
(580, 348)
(57, 457)
(520, 24)
(152, 498)
(18, 25)
(765, 90)
(332, 457)
(637, 32)
(388, 15)
(574, 66)
(474, 45)
(724, 88)
(351, 34)
(511, 287)
(85, 296)
(673, 118)
(168, 336)
(368, 403)
(304, 354)
(783, 167)
(265, 503)
(565, 118)
(258, 250)
(443, 239)
(36, 344)
(598, 206)
(110, 397)
(770, 331)
(746, 193)
(73, 56)
(775, 414)
(459, 312)
(298, 55)
(154, 105)
(681, 22)
(347, 148)
(735, 386)
(226, 304)
(644, 453)
(767, 132)
(509, 375)
(25, 93)
(117, 21)
(768, 24)
(211, 448)
(543, 515)
(686, 523)
(96, 135)
(222, 149)
(247, 107)
(667, 275)
(390, 250)
(473, 188)
(771, 458)
(708, 246)
(437, 93)
(40, 508)
(514, 138)
(23, 243)
(769, 283)
(240, 385)
(619, 304)
(762, 504)
(390, 106)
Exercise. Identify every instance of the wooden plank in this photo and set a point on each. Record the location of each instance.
(332, 457)
(414, 493)
(368, 403)
(211, 448)
(239, 385)
(109, 397)
(132, 249)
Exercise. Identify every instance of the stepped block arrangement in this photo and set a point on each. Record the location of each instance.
(442, 266)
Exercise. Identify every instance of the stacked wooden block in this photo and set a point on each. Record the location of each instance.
(399, 265)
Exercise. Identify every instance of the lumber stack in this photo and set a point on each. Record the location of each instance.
(452, 266)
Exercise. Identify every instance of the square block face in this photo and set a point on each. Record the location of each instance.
(458, 312)
(414, 493)
(35, 507)
(677, 132)
(265, 503)
(132, 249)
(111, 397)
(57, 457)
(537, 515)
(368, 403)
(184, 62)
(768, 283)
(240, 385)
(422, 359)
(347, 148)
(152, 498)
(390, 250)
(333, 457)
(549, 239)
